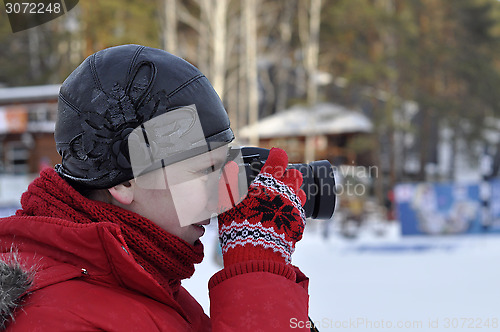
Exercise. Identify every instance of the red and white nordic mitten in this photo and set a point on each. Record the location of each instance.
(268, 222)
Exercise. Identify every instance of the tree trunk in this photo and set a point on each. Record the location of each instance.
(170, 26)
(283, 63)
(250, 10)
(219, 44)
(311, 65)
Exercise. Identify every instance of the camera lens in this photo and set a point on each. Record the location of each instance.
(319, 186)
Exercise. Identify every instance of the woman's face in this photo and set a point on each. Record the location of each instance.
(181, 197)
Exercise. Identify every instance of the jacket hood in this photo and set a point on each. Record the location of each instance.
(14, 283)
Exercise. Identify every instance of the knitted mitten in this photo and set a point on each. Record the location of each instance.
(268, 222)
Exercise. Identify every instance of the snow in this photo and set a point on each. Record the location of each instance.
(389, 282)
(323, 118)
(11, 188)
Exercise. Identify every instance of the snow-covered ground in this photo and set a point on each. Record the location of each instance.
(390, 282)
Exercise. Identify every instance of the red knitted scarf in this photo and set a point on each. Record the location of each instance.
(167, 257)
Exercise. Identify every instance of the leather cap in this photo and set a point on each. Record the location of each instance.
(116, 90)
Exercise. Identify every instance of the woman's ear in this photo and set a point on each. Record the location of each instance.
(124, 192)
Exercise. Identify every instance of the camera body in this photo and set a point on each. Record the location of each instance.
(318, 184)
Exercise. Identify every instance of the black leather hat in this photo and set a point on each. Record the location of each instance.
(116, 90)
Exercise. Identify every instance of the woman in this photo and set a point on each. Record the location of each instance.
(103, 241)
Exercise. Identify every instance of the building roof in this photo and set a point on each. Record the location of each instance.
(28, 94)
(321, 119)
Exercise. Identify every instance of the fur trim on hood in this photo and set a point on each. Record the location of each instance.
(14, 283)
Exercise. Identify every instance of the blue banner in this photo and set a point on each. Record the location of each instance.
(448, 208)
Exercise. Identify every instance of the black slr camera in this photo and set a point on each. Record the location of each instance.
(319, 181)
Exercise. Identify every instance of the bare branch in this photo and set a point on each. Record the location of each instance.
(187, 18)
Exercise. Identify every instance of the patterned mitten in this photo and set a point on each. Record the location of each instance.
(268, 222)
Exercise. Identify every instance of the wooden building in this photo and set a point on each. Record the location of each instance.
(333, 128)
(27, 122)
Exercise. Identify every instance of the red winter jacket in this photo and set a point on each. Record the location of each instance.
(84, 279)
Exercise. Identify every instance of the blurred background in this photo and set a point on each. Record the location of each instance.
(401, 96)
